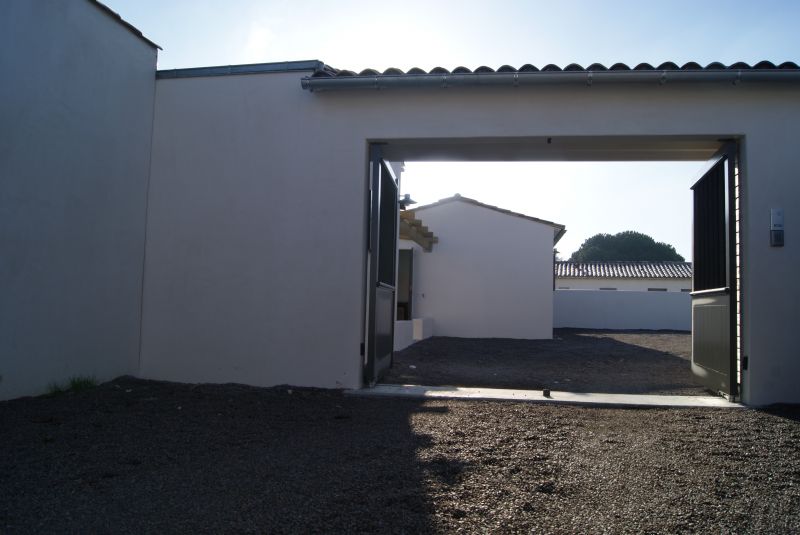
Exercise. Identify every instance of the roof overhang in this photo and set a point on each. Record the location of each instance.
(667, 73)
(560, 231)
(250, 68)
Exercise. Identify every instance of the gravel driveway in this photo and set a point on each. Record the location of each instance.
(619, 362)
(137, 456)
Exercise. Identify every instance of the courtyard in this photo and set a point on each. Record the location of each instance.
(575, 360)
(135, 456)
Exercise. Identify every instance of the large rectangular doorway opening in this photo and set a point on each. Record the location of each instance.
(614, 325)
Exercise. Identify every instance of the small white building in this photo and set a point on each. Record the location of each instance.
(489, 274)
(624, 276)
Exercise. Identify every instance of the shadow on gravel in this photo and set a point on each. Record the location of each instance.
(789, 412)
(136, 456)
(620, 362)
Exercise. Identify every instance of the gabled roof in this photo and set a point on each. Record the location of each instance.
(623, 270)
(559, 229)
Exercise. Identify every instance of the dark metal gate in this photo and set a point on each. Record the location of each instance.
(381, 266)
(715, 294)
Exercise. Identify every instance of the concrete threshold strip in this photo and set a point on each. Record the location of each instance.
(573, 398)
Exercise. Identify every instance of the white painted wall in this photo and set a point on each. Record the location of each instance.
(423, 328)
(403, 334)
(627, 285)
(76, 109)
(407, 332)
(599, 309)
(255, 255)
(489, 276)
(245, 279)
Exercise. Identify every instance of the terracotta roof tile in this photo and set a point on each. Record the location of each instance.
(328, 71)
(623, 270)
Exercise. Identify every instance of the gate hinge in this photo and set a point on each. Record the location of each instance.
(362, 349)
(745, 362)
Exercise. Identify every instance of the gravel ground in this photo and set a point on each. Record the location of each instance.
(137, 456)
(619, 362)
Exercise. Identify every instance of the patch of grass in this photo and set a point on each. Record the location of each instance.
(55, 389)
(79, 383)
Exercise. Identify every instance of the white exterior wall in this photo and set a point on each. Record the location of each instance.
(245, 279)
(626, 285)
(406, 332)
(255, 182)
(76, 110)
(600, 309)
(403, 334)
(489, 276)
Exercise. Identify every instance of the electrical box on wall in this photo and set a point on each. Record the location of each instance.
(776, 227)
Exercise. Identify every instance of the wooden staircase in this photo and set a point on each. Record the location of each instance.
(412, 229)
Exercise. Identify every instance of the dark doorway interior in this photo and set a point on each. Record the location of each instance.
(405, 278)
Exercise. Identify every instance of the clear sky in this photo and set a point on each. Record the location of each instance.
(587, 198)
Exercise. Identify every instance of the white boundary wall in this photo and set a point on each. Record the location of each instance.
(600, 309)
(625, 285)
(247, 280)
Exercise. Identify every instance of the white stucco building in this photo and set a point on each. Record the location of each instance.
(489, 275)
(187, 224)
(624, 276)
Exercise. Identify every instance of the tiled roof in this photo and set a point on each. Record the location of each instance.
(623, 270)
(328, 78)
(559, 229)
(330, 72)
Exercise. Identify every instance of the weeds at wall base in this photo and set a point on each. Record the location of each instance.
(73, 384)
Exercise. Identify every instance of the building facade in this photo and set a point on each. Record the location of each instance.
(188, 224)
(489, 273)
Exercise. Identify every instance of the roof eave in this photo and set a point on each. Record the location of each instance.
(250, 68)
(517, 79)
(560, 231)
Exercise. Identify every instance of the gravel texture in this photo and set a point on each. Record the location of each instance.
(137, 456)
(618, 362)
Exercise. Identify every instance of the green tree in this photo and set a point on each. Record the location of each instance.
(625, 246)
